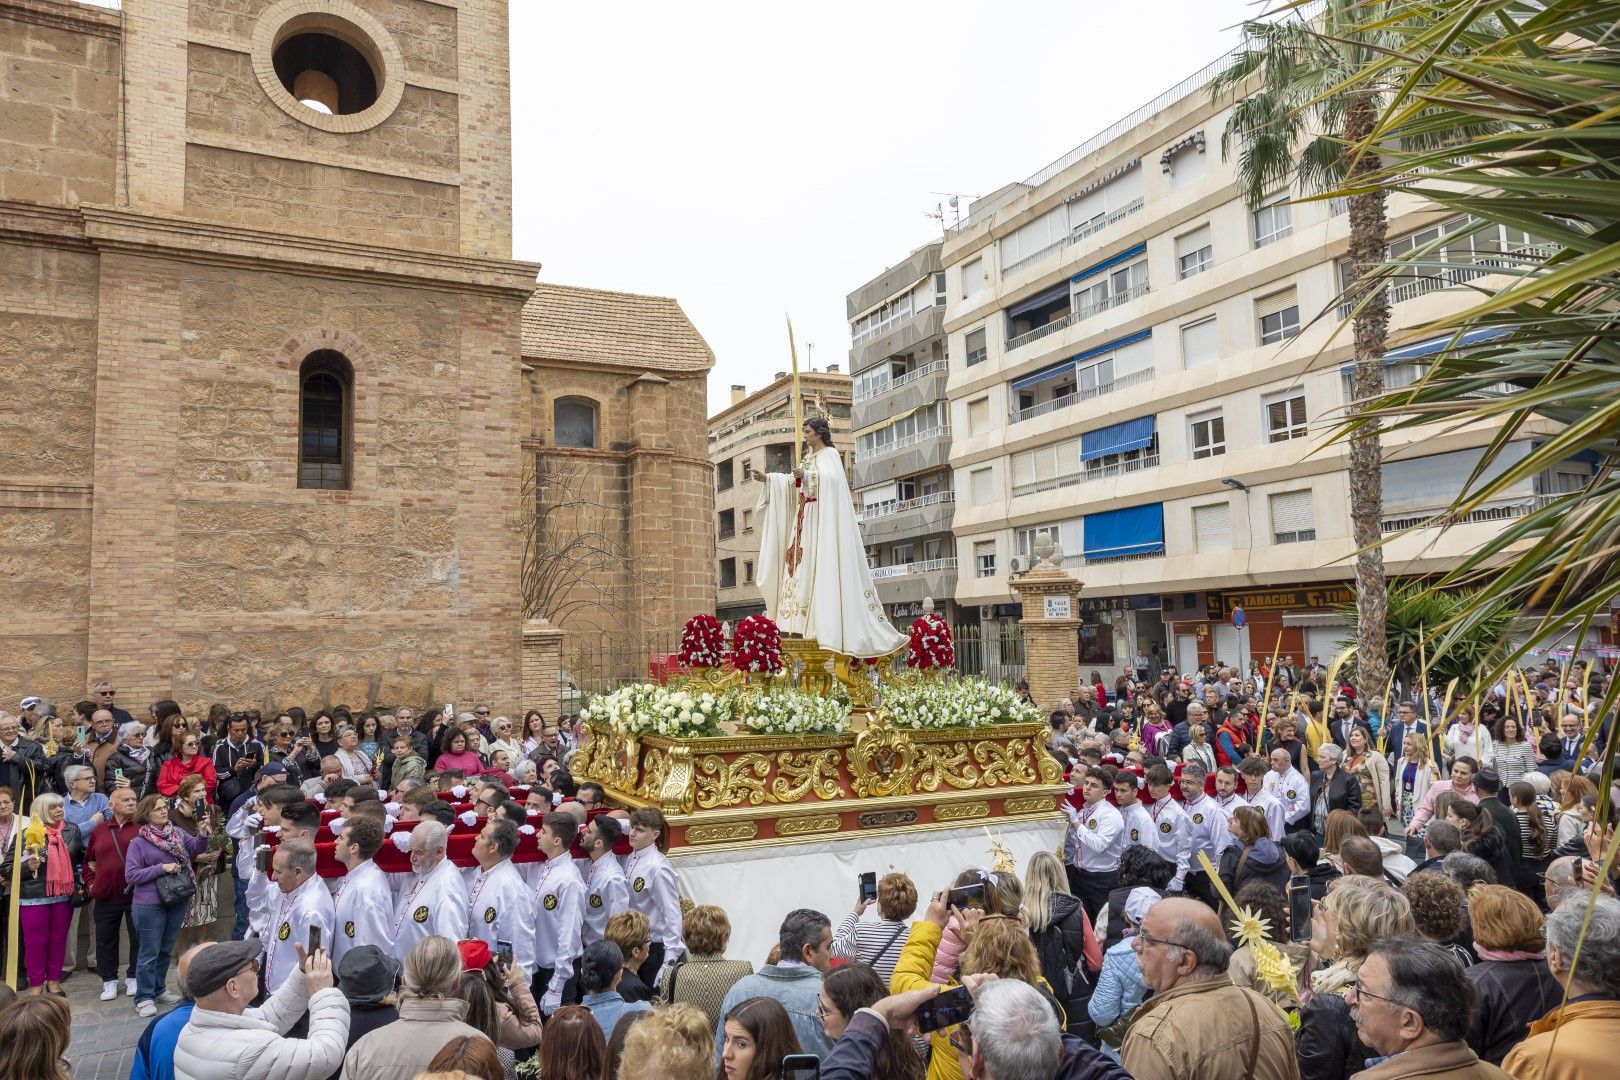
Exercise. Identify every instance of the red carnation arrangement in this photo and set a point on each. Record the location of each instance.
(703, 642)
(931, 645)
(757, 646)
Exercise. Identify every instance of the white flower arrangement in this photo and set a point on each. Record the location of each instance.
(650, 709)
(924, 704)
(787, 711)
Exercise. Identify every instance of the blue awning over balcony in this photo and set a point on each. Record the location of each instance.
(1052, 371)
(1044, 298)
(1124, 256)
(1119, 439)
(1477, 336)
(1133, 530)
(1117, 343)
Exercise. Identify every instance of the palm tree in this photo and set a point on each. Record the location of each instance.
(1308, 119)
(1542, 340)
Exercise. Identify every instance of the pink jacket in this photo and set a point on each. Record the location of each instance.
(950, 949)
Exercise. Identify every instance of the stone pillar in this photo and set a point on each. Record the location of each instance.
(1051, 627)
(542, 660)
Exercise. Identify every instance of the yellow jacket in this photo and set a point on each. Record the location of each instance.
(911, 972)
(1587, 1033)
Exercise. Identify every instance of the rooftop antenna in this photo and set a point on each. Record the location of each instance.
(949, 212)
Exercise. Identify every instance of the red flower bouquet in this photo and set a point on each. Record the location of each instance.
(931, 645)
(757, 646)
(703, 643)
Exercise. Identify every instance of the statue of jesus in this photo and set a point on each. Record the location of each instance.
(813, 573)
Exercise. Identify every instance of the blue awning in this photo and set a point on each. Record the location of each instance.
(1444, 343)
(1052, 371)
(1134, 530)
(1119, 439)
(1124, 256)
(1060, 291)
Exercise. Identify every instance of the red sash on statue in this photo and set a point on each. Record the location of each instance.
(795, 551)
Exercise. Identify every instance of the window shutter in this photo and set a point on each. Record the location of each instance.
(981, 486)
(1188, 243)
(1291, 512)
(1274, 303)
(1212, 526)
(979, 416)
(1200, 342)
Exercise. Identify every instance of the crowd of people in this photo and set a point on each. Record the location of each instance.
(394, 894)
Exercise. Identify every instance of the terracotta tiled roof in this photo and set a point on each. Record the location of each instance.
(648, 333)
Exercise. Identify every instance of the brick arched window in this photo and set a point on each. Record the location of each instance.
(325, 420)
(574, 422)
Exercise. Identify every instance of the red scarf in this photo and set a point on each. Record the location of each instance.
(58, 864)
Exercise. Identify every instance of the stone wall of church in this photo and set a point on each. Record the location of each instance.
(59, 123)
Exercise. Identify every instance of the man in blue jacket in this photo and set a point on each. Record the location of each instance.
(154, 1054)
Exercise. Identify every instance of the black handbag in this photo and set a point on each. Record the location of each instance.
(176, 887)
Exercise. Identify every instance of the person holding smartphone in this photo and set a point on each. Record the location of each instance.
(303, 909)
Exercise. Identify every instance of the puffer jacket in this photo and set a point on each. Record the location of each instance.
(142, 775)
(1327, 1043)
(404, 1048)
(33, 885)
(1265, 863)
(1512, 994)
(1070, 959)
(253, 1046)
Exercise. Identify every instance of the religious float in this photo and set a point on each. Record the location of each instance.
(785, 770)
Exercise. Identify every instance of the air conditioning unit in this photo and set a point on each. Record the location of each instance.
(987, 612)
(1017, 564)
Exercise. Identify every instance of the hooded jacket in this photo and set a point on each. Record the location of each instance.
(1264, 863)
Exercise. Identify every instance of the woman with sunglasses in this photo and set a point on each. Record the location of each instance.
(132, 765)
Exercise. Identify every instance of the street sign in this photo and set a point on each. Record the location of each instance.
(1238, 618)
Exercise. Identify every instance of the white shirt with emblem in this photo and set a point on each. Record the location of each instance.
(432, 904)
(500, 907)
(655, 891)
(558, 918)
(1292, 790)
(1271, 806)
(1171, 836)
(292, 915)
(1138, 825)
(1099, 832)
(1206, 828)
(362, 910)
(607, 893)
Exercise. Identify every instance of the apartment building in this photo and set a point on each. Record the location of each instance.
(1147, 369)
(902, 478)
(752, 436)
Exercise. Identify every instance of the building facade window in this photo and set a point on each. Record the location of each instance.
(1273, 221)
(1195, 252)
(1208, 435)
(574, 423)
(976, 349)
(728, 524)
(728, 573)
(1292, 521)
(325, 420)
(984, 558)
(1212, 527)
(1285, 418)
(981, 486)
(978, 416)
(748, 573)
(1200, 343)
(1278, 316)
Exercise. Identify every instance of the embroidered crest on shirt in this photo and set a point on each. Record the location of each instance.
(550, 902)
(348, 929)
(489, 915)
(596, 900)
(285, 932)
(641, 884)
(421, 914)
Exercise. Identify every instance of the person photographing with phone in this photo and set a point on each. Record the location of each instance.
(224, 1037)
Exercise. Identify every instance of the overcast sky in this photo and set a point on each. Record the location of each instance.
(755, 160)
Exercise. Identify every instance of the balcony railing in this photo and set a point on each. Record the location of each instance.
(874, 390)
(883, 510)
(1135, 292)
(1440, 516)
(928, 566)
(1135, 378)
(1090, 228)
(901, 443)
(1040, 331)
(878, 329)
(1142, 557)
(1122, 468)
(1460, 273)
(1051, 483)
(751, 434)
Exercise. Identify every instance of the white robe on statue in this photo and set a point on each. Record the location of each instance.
(829, 595)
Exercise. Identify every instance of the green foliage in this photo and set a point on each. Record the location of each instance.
(1419, 618)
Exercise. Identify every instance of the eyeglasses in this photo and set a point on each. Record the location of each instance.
(481, 712)
(106, 693)
(1356, 988)
(1148, 939)
(961, 1039)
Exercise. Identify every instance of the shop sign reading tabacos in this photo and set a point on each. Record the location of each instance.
(1327, 596)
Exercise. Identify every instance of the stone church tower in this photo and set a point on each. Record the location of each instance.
(260, 363)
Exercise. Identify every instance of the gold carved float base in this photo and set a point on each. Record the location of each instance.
(783, 789)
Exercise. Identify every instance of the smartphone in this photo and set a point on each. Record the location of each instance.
(199, 807)
(801, 1067)
(503, 953)
(80, 731)
(868, 886)
(261, 859)
(951, 1007)
(1299, 908)
(968, 896)
(314, 940)
(118, 774)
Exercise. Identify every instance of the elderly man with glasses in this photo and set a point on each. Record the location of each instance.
(1411, 1004)
(1198, 1024)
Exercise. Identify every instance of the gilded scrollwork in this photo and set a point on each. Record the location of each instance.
(882, 761)
(1049, 768)
(1004, 763)
(722, 783)
(676, 794)
(945, 764)
(654, 767)
(799, 774)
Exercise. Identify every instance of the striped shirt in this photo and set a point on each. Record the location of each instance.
(876, 944)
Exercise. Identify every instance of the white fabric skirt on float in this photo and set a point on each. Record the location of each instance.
(757, 887)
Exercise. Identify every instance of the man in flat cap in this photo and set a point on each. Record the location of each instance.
(227, 1038)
